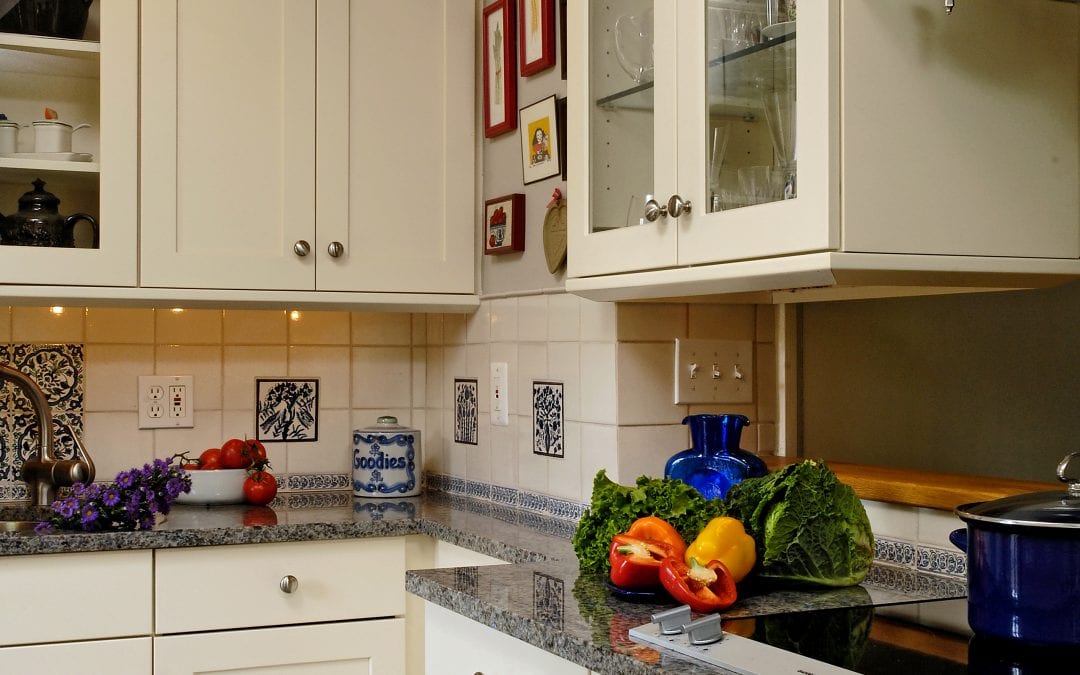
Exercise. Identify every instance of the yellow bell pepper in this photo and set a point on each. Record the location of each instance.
(725, 539)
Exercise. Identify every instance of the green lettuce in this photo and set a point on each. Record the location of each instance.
(615, 507)
(810, 528)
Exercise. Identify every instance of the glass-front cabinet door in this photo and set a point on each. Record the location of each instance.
(694, 150)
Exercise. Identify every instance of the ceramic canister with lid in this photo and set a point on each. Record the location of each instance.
(9, 135)
(386, 460)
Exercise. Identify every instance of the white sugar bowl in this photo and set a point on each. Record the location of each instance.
(386, 460)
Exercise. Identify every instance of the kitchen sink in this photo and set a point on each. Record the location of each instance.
(17, 525)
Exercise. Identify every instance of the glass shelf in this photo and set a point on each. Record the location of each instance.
(742, 70)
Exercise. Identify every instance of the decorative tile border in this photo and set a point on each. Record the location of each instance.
(920, 557)
(301, 482)
(530, 502)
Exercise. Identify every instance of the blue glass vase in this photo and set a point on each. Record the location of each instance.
(714, 461)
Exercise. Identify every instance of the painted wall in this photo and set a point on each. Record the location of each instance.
(982, 384)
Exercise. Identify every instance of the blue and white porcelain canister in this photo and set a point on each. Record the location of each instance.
(386, 460)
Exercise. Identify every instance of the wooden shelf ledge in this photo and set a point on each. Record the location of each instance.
(928, 489)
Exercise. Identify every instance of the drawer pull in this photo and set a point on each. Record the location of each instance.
(288, 583)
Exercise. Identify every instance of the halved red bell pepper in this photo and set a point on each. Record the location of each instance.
(635, 563)
(652, 528)
(706, 588)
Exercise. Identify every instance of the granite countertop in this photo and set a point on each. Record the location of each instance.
(541, 598)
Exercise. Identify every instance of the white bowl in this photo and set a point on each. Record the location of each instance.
(215, 486)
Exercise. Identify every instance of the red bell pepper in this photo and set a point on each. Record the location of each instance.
(652, 528)
(706, 588)
(635, 563)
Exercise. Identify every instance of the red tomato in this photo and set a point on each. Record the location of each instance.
(260, 487)
(234, 454)
(190, 466)
(211, 459)
(255, 449)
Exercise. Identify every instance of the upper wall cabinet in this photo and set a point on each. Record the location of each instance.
(308, 145)
(872, 148)
(90, 81)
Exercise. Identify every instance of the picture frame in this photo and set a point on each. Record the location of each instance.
(560, 119)
(536, 35)
(500, 68)
(538, 130)
(504, 224)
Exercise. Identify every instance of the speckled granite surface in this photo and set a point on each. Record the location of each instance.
(541, 598)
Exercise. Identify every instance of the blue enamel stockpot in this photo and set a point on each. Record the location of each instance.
(1024, 564)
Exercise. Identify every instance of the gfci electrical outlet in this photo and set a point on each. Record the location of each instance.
(166, 401)
(714, 371)
(500, 394)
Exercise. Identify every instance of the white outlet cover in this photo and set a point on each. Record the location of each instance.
(148, 401)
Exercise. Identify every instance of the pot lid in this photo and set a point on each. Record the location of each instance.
(1050, 509)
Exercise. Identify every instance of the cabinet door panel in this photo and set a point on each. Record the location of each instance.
(228, 101)
(622, 137)
(119, 580)
(101, 657)
(328, 649)
(396, 146)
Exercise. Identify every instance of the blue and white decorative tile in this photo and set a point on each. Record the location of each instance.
(58, 369)
(456, 485)
(547, 404)
(894, 552)
(941, 561)
(548, 599)
(466, 411)
(316, 500)
(300, 482)
(504, 495)
(478, 490)
(287, 410)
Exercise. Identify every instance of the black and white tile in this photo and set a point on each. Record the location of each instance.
(466, 411)
(287, 410)
(547, 405)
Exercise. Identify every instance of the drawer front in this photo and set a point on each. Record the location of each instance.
(131, 656)
(348, 648)
(216, 587)
(47, 597)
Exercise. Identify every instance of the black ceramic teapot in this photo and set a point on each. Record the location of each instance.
(38, 223)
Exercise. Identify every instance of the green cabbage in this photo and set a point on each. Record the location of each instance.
(810, 528)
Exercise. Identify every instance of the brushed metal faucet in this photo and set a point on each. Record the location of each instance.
(44, 473)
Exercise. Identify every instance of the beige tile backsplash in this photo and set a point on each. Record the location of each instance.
(614, 362)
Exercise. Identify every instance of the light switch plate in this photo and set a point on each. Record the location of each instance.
(714, 371)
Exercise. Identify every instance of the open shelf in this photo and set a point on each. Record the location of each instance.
(54, 56)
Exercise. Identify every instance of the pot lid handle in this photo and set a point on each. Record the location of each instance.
(1062, 469)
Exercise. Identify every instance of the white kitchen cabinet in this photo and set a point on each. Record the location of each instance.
(325, 606)
(93, 81)
(456, 645)
(130, 656)
(77, 612)
(933, 151)
(305, 145)
(376, 647)
(48, 598)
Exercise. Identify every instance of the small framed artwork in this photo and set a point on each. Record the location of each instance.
(539, 131)
(536, 35)
(504, 224)
(287, 409)
(500, 68)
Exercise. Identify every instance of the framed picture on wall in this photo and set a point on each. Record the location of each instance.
(536, 35)
(504, 224)
(538, 129)
(500, 68)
